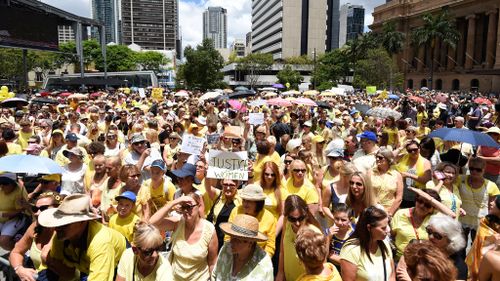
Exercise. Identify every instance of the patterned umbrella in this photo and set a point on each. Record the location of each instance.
(382, 112)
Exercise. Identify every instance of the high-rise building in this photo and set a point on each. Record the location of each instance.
(238, 47)
(352, 22)
(332, 25)
(65, 33)
(287, 28)
(215, 26)
(150, 24)
(108, 13)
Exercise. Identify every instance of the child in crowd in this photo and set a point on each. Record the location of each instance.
(339, 232)
(124, 220)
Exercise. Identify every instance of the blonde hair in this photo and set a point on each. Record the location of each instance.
(146, 235)
(369, 198)
(311, 247)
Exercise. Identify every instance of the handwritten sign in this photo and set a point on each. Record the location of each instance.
(228, 165)
(192, 144)
(213, 138)
(256, 118)
(142, 93)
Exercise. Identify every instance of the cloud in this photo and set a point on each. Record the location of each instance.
(77, 7)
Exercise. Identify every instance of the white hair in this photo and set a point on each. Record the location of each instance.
(451, 228)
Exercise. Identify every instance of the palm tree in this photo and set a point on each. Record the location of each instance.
(435, 27)
(392, 41)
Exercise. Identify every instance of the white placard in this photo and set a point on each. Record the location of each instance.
(192, 144)
(228, 165)
(142, 93)
(256, 118)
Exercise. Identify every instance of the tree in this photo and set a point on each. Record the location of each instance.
(376, 69)
(202, 67)
(253, 65)
(44, 62)
(288, 75)
(118, 58)
(151, 60)
(330, 68)
(304, 59)
(438, 27)
(391, 39)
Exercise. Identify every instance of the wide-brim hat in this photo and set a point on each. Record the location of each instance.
(454, 156)
(252, 192)
(244, 227)
(75, 151)
(74, 208)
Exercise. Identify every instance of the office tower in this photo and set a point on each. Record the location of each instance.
(150, 24)
(238, 47)
(287, 28)
(352, 22)
(215, 26)
(332, 25)
(65, 34)
(108, 13)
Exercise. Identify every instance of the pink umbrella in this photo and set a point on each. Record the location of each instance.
(235, 104)
(65, 94)
(304, 101)
(279, 102)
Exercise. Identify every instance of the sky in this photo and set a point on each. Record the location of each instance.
(191, 14)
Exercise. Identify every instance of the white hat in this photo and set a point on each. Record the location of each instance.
(292, 144)
(441, 106)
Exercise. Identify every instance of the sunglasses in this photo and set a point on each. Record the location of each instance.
(380, 158)
(139, 143)
(269, 175)
(412, 150)
(424, 203)
(357, 183)
(148, 252)
(472, 169)
(236, 141)
(35, 209)
(299, 170)
(287, 162)
(295, 220)
(111, 137)
(436, 235)
(187, 208)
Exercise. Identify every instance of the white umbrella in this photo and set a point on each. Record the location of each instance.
(181, 94)
(210, 95)
(270, 95)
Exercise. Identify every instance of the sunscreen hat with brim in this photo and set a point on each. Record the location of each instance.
(244, 227)
(74, 208)
(252, 192)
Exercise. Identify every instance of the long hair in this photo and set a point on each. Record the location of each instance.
(277, 179)
(370, 216)
(369, 198)
(295, 202)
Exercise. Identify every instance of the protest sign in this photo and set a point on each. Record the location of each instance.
(142, 93)
(213, 138)
(228, 165)
(157, 94)
(256, 118)
(192, 144)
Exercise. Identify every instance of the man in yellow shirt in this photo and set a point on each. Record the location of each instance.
(82, 243)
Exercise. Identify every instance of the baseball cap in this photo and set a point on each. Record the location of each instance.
(308, 123)
(72, 137)
(369, 135)
(158, 163)
(52, 177)
(126, 195)
(138, 137)
(187, 170)
(336, 152)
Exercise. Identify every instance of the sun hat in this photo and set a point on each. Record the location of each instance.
(252, 192)
(493, 130)
(293, 144)
(244, 227)
(158, 163)
(75, 151)
(129, 195)
(308, 123)
(72, 137)
(51, 177)
(137, 137)
(34, 147)
(174, 135)
(187, 170)
(369, 135)
(336, 152)
(58, 132)
(74, 208)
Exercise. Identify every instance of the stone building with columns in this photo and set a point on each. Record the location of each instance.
(474, 64)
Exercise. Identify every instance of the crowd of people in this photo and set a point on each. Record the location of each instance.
(333, 191)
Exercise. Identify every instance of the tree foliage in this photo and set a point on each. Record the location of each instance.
(391, 39)
(202, 67)
(253, 65)
(330, 68)
(118, 58)
(289, 75)
(151, 60)
(377, 69)
(304, 59)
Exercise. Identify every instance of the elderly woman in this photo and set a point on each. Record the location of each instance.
(446, 234)
(253, 205)
(298, 215)
(112, 146)
(367, 255)
(299, 184)
(74, 172)
(240, 258)
(194, 240)
(36, 240)
(444, 183)
(143, 261)
(387, 182)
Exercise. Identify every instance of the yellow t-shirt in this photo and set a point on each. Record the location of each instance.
(334, 276)
(403, 229)
(393, 134)
(422, 132)
(475, 200)
(384, 186)
(157, 194)
(127, 268)
(328, 178)
(271, 203)
(104, 247)
(12, 202)
(124, 225)
(368, 270)
(307, 191)
(267, 225)
(292, 265)
(22, 140)
(452, 200)
(14, 148)
(259, 164)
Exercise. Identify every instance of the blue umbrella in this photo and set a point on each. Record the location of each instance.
(464, 135)
(393, 97)
(29, 164)
(278, 86)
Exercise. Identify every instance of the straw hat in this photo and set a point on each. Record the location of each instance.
(244, 227)
(252, 192)
(74, 208)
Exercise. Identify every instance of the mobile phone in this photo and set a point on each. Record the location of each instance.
(439, 175)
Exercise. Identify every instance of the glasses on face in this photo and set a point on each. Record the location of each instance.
(287, 162)
(172, 138)
(380, 158)
(436, 235)
(412, 150)
(356, 183)
(472, 169)
(187, 208)
(269, 175)
(135, 176)
(112, 137)
(295, 220)
(148, 252)
(424, 203)
(35, 209)
(299, 171)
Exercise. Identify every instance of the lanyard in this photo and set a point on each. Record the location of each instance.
(413, 223)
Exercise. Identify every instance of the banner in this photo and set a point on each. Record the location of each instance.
(142, 93)
(213, 138)
(371, 90)
(192, 144)
(227, 165)
(157, 94)
(256, 118)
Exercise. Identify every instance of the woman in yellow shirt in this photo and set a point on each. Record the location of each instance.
(444, 183)
(387, 182)
(392, 131)
(270, 181)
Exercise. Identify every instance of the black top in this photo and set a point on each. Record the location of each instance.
(460, 265)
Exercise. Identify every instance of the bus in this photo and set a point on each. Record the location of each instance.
(96, 81)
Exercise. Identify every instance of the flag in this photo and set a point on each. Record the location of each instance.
(484, 242)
